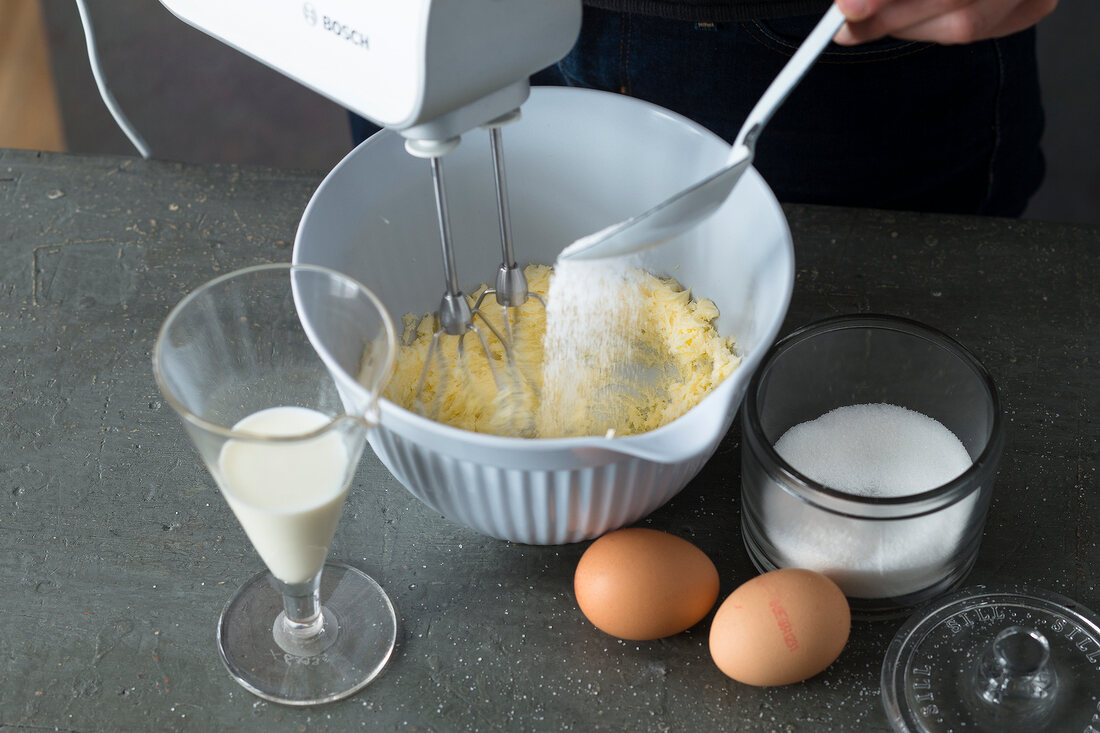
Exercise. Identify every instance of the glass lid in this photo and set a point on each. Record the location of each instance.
(995, 658)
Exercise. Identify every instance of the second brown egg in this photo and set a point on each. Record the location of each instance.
(781, 627)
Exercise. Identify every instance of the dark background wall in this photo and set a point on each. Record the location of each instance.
(195, 99)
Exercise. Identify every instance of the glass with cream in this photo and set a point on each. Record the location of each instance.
(263, 481)
(259, 365)
(870, 448)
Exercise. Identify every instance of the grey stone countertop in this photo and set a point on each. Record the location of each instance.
(117, 554)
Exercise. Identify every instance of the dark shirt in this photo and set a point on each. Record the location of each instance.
(714, 11)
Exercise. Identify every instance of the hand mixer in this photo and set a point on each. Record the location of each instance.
(431, 70)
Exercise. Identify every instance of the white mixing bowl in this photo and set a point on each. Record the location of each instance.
(577, 161)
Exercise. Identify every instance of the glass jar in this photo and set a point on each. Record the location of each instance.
(887, 553)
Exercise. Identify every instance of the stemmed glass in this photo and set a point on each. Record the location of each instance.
(275, 371)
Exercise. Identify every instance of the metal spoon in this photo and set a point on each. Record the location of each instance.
(691, 206)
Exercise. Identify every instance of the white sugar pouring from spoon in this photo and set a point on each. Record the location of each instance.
(691, 206)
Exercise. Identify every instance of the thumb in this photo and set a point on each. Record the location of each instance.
(856, 10)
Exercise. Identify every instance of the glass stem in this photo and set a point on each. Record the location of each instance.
(302, 605)
(304, 628)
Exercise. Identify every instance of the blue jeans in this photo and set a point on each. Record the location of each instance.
(892, 124)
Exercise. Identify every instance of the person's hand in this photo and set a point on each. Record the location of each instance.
(939, 21)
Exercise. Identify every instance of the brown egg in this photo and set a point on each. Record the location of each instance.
(643, 584)
(780, 627)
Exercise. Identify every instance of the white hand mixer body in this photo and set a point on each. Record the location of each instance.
(431, 69)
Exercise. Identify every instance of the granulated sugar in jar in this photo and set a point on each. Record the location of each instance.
(873, 450)
(870, 446)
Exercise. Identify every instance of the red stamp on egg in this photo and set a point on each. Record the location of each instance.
(784, 623)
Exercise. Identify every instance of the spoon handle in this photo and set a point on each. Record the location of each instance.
(787, 79)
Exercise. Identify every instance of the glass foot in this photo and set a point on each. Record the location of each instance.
(366, 631)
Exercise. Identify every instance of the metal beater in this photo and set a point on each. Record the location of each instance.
(511, 289)
(456, 317)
